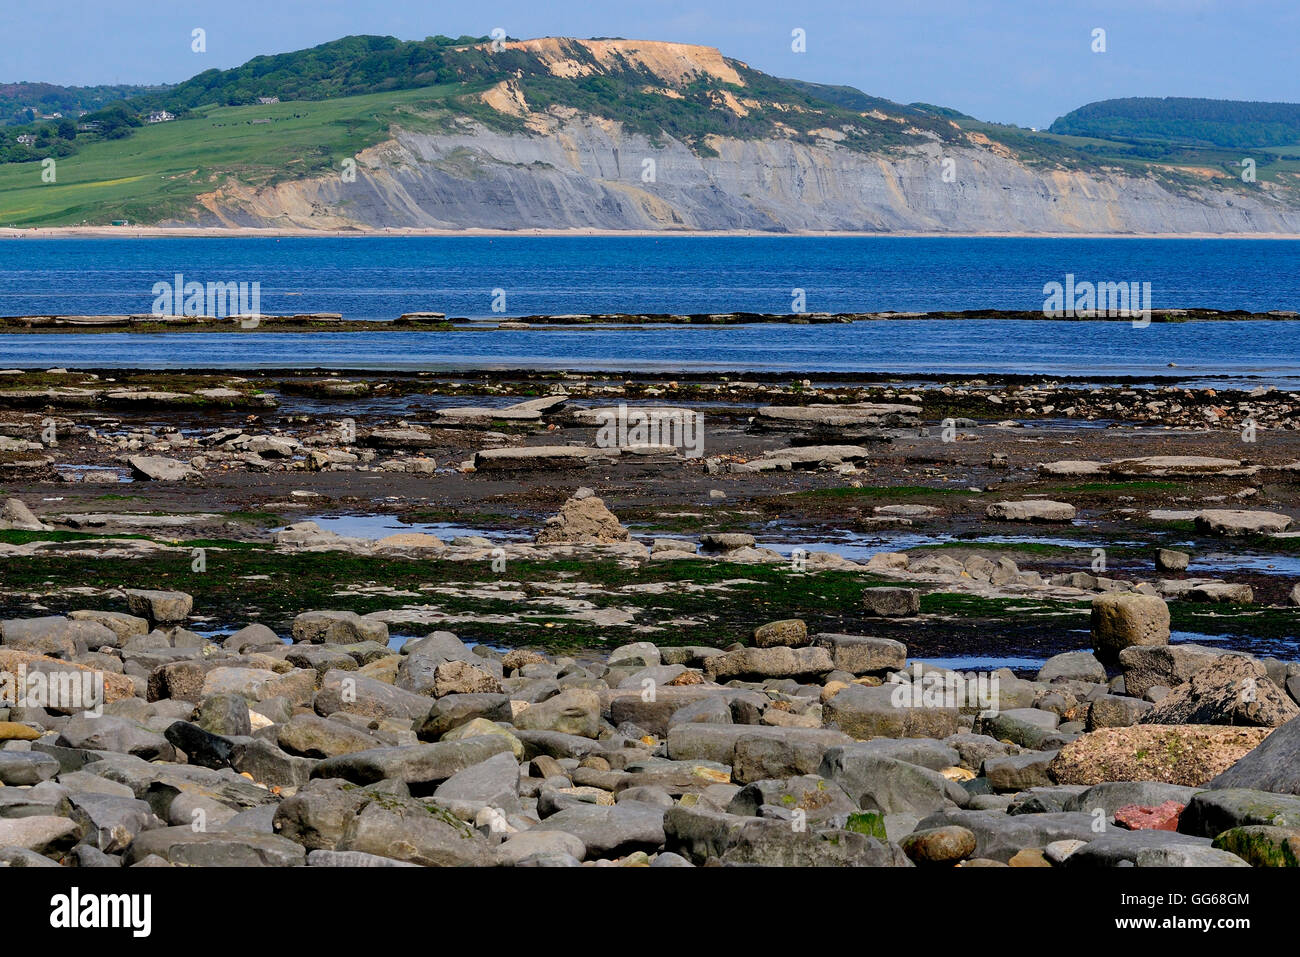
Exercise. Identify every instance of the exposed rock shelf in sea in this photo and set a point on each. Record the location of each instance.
(335, 322)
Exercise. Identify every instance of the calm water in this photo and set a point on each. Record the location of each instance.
(1248, 352)
(380, 278)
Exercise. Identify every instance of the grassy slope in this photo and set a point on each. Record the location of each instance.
(157, 172)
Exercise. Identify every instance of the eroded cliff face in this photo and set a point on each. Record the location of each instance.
(574, 171)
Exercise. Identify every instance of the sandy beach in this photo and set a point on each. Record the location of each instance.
(161, 232)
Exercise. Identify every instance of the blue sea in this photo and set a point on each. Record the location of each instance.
(382, 277)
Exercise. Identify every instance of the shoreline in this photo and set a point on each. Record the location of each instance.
(246, 232)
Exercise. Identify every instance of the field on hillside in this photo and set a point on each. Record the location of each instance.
(156, 173)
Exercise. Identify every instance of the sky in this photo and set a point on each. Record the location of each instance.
(1012, 61)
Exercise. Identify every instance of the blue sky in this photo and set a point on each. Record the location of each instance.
(1017, 61)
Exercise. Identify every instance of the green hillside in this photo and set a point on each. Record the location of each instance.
(1186, 122)
(157, 172)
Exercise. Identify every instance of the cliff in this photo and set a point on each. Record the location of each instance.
(585, 172)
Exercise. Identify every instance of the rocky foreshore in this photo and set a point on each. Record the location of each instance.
(301, 618)
(329, 746)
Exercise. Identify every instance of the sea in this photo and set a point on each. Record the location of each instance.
(487, 279)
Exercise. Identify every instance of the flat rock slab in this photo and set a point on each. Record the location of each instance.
(814, 456)
(413, 763)
(717, 742)
(540, 457)
(1071, 467)
(892, 415)
(232, 848)
(1118, 845)
(1159, 465)
(1031, 510)
(611, 831)
(158, 468)
(1235, 522)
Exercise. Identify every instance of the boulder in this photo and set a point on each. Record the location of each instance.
(42, 833)
(1168, 560)
(778, 662)
(864, 712)
(1123, 619)
(338, 628)
(413, 831)
(1000, 836)
(576, 711)
(583, 521)
(1272, 765)
(1073, 666)
(861, 655)
(16, 515)
(1186, 855)
(774, 843)
(1210, 813)
(1018, 772)
(1190, 755)
(460, 677)
(1232, 689)
(1262, 845)
(159, 468)
(790, 633)
(412, 764)
(943, 846)
(492, 783)
(54, 636)
(887, 785)
(610, 831)
(454, 710)
(720, 743)
(1145, 667)
(1117, 846)
(109, 733)
(160, 607)
(25, 768)
(891, 602)
(357, 694)
(215, 848)
(314, 737)
(318, 814)
(817, 798)
(1111, 796)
